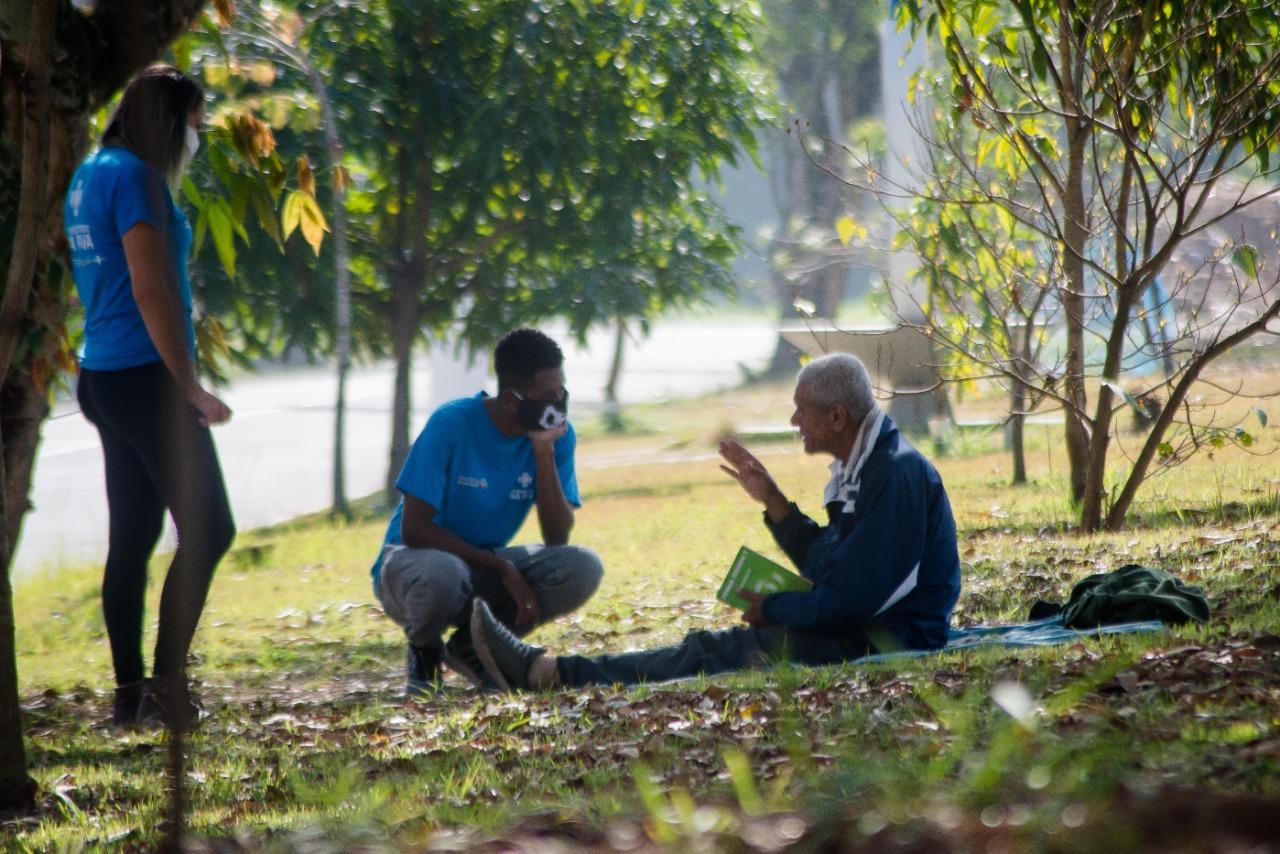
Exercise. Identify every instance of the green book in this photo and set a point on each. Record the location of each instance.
(753, 572)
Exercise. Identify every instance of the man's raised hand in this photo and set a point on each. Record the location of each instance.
(746, 470)
(754, 478)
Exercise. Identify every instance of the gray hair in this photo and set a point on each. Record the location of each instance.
(839, 378)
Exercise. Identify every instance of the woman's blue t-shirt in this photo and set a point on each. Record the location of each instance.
(112, 191)
(481, 482)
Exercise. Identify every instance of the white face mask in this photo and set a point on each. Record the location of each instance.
(190, 145)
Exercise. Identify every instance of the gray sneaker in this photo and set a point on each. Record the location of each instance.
(506, 658)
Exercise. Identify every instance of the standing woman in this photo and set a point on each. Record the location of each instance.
(138, 385)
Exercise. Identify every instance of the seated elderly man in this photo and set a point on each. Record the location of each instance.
(884, 567)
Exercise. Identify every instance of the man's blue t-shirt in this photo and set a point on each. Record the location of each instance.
(481, 482)
(112, 191)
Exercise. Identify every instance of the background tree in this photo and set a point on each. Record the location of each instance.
(999, 322)
(268, 67)
(824, 58)
(526, 161)
(59, 66)
(1114, 132)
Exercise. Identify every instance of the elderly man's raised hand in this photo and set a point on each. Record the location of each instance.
(753, 476)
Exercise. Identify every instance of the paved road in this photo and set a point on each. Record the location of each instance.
(276, 451)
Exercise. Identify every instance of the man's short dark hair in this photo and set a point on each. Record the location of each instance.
(522, 353)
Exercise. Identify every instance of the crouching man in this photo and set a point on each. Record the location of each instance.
(884, 567)
(468, 483)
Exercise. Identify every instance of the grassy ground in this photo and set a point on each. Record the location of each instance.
(1163, 741)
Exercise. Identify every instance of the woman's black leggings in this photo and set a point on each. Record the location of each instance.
(157, 457)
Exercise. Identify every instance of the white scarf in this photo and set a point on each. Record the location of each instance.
(846, 474)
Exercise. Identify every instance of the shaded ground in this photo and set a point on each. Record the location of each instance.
(1154, 742)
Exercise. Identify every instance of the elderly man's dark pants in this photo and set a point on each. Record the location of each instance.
(705, 653)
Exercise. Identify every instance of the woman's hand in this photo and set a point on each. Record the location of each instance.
(212, 410)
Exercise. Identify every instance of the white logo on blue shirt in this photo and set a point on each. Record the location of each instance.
(76, 198)
(525, 479)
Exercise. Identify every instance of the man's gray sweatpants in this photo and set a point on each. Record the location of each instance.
(426, 590)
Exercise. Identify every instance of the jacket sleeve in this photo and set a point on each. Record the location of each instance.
(873, 566)
(794, 534)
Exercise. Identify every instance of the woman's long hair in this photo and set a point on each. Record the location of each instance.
(151, 118)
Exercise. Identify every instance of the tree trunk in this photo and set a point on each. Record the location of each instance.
(1100, 442)
(96, 55)
(1075, 235)
(22, 410)
(1024, 352)
(341, 506)
(1017, 421)
(1128, 294)
(812, 198)
(412, 224)
(1073, 303)
(612, 409)
(404, 328)
(342, 295)
(26, 118)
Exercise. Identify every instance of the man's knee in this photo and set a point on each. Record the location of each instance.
(423, 590)
(585, 570)
(577, 576)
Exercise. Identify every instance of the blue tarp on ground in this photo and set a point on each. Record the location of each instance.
(1046, 632)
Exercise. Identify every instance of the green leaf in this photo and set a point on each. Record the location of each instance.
(292, 213)
(201, 231)
(191, 193)
(1040, 63)
(223, 240)
(260, 199)
(1246, 260)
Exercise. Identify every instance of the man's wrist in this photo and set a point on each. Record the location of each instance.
(776, 506)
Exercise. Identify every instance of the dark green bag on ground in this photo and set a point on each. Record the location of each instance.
(1130, 594)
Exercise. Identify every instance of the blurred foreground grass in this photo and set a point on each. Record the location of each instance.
(310, 738)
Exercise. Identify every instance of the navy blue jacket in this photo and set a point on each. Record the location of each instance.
(890, 566)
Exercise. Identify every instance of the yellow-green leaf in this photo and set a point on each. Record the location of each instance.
(1246, 259)
(221, 229)
(313, 225)
(845, 229)
(291, 216)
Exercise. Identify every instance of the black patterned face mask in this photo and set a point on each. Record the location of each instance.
(541, 414)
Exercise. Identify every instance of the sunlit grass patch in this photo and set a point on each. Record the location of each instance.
(310, 737)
